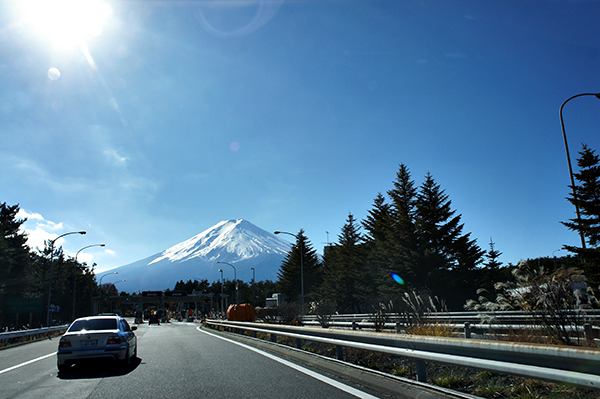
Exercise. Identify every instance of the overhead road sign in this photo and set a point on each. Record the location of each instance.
(24, 305)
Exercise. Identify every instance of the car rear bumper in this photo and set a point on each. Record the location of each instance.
(70, 355)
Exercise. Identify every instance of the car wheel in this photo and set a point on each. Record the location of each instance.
(127, 360)
(135, 351)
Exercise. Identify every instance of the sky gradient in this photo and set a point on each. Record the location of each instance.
(161, 119)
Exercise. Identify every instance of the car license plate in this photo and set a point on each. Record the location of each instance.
(89, 344)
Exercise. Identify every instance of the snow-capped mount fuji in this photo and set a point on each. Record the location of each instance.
(238, 242)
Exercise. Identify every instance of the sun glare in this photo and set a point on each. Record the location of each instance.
(66, 22)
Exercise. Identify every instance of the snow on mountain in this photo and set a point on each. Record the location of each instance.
(238, 242)
(234, 240)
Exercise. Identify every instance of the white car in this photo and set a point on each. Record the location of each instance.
(97, 337)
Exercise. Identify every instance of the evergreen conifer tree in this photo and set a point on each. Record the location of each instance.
(14, 254)
(345, 276)
(490, 273)
(289, 281)
(448, 256)
(492, 256)
(378, 248)
(587, 191)
(405, 255)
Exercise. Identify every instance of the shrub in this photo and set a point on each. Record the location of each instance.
(324, 310)
(380, 317)
(434, 329)
(289, 313)
(268, 315)
(451, 380)
(556, 301)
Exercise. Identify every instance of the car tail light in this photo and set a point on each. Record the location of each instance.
(64, 343)
(113, 340)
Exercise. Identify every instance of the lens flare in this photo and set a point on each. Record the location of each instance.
(66, 22)
(53, 73)
(397, 278)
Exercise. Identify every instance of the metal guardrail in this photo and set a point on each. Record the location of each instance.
(467, 323)
(576, 366)
(473, 317)
(36, 333)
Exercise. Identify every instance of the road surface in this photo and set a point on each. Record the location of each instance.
(176, 360)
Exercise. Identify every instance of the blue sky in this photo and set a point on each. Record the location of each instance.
(167, 117)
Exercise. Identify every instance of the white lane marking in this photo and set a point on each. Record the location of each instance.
(26, 363)
(327, 380)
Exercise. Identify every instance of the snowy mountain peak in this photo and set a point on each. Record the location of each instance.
(253, 250)
(227, 241)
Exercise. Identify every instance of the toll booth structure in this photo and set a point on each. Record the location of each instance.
(159, 301)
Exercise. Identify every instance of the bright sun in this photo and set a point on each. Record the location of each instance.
(66, 22)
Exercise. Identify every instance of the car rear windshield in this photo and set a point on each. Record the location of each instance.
(94, 324)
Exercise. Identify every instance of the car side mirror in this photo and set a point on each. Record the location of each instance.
(133, 328)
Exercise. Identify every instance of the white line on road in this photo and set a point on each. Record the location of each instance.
(327, 380)
(26, 363)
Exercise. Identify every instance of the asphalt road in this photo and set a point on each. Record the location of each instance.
(176, 360)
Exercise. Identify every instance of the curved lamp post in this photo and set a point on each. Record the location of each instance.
(554, 256)
(51, 261)
(221, 270)
(100, 285)
(75, 278)
(253, 287)
(301, 271)
(116, 282)
(234, 278)
(107, 274)
(562, 125)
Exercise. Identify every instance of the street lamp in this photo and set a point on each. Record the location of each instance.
(562, 125)
(301, 270)
(51, 261)
(107, 274)
(554, 256)
(75, 278)
(100, 285)
(221, 270)
(111, 301)
(253, 287)
(235, 280)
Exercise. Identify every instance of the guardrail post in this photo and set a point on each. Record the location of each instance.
(421, 371)
(467, 330)
(354, 325)
(273, 338)
(340, 352)
(589, 334)
(298, 343)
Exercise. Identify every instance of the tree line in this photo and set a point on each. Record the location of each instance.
(412, 240)
(255, 294)
(25, 274)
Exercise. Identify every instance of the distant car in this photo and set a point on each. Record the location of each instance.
(154, 319)
(97, 337)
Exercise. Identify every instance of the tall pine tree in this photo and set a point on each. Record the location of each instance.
(492, 256)
(448, 256)
(379, 248)
(587, 191)
(14, 254)
(289, 281)
(344, 281)
(405, 256)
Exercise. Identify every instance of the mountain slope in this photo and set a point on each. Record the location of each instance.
(238, 242)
